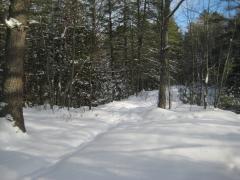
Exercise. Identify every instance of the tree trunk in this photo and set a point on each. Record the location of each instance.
(93, 49)
(162, 100)
(165, 15)
(112, 63)
(207, 56)
(141, 18)
(15, 48)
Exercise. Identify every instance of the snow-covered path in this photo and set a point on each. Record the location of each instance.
(127, 140)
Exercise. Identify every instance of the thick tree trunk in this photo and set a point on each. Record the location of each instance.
(162, 99)
(15, 47)
(165, 15)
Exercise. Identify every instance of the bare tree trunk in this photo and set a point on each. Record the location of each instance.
(73, 8)
(93, 49)
(125, 23)
(132, 61)
(162, 100)
(73, 62)
(169, 88)
(216, 90)
(47, 64)
(140, 35)
(165, 15)
(225, 71)
(206, 24)
(139, 46)
(110, 31)
(15, 48)
(125, 44)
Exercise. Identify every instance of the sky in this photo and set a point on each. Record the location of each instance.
(192, 9)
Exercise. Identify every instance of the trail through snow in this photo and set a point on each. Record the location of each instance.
(126, 140)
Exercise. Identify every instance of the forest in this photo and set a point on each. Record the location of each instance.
(119, 89)
(90, 52)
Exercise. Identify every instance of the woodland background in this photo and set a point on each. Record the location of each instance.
(90, 52)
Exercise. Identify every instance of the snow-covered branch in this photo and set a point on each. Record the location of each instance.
(12, 23)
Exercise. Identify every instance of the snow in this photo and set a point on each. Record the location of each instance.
(125, 140)
(64, 32)
(206, 80)
(32, 21)
(12, 23)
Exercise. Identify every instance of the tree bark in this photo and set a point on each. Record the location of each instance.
(141, 18)
(162, 99)
(165, 15)
(112, 61)
(93, 49)
(15, 48)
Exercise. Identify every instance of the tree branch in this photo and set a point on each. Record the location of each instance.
(175, 9)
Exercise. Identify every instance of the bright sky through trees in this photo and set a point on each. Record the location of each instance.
(192, 8)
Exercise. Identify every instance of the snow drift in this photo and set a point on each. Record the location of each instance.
(130, 139)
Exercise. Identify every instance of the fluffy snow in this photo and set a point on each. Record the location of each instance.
(32, 21)
(126, 140)
(12, 23)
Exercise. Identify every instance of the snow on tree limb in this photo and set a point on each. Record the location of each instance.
(12, 23)
(32, 21)
(64, 32)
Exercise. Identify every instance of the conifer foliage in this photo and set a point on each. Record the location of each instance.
(85, 53)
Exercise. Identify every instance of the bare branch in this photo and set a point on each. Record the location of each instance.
(175, 9)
